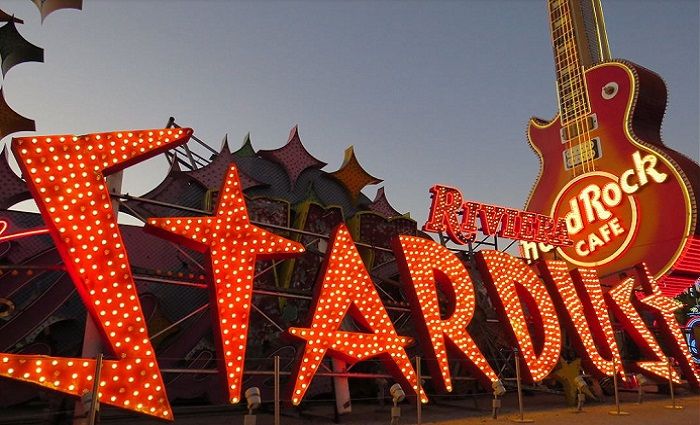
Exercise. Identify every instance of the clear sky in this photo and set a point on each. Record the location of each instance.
(427, 92)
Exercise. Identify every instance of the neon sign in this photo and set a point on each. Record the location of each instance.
(447, 205)
(346, 288)
(601, 213)
(18, 235)
(234, 245)
(66, 175)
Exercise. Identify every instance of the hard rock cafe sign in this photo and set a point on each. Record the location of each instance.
(66, 175)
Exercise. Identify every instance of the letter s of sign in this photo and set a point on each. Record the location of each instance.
(65, 174)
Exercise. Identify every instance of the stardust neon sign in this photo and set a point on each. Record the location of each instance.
(66, 175)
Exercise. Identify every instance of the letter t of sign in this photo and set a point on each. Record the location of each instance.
(234, 245)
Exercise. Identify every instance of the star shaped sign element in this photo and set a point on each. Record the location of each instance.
(234, 245)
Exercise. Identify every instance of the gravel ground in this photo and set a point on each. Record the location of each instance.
(545, 409)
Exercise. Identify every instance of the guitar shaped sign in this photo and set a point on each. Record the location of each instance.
(626, 197)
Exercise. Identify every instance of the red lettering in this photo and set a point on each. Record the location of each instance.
(345, 287)
(511, 283)
(428, 265)
(581, 307)
(444, 210)
(233, 245)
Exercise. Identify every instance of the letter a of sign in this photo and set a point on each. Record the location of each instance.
(65, 173)
(510, 284)
(234, 245)
(429, 265)
(346, 288)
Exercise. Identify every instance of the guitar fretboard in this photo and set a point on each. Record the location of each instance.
(571, 90)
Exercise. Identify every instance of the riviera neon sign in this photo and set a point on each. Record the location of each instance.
(447, 205)
(66, 175)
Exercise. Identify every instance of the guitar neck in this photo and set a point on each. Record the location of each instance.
(578, 40)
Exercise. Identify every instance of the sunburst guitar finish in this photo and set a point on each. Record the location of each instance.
(626, 197)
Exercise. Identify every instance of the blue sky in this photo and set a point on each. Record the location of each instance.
(427, 92)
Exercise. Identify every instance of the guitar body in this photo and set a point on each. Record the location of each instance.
(637, 202)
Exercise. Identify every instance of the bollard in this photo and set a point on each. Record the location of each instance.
(419, 407)
(617, 411)
(277, 390)
(521, 419)
(670, 386)
(95, 404)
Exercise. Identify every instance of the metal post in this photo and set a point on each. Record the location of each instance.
(94, 406)
(640, 390)
(521, 419)
(670, 386)
(495, 405)
(580, 399)
(277, 390)
(617, 411)
(419, 407)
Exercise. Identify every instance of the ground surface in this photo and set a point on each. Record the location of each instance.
(543, 409)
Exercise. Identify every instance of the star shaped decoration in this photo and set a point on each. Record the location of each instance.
(246, 150)
(11, 121)
(293, 157)
(212, 174)
(234, 245)
(381, 205)
(566, 375)
(16, 49)
(353, 176)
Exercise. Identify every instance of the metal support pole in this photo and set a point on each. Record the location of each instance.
(617, 411)
(277, 390)
(495, 405)
(95, 404)
(518, 379)
(419, 407)
(640, 394)
(670, 386)
(580, 398)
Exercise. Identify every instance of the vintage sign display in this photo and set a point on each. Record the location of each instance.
(66, 175)
(448, 205)
(233, 245)
(626, 197)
